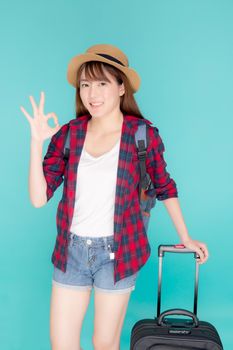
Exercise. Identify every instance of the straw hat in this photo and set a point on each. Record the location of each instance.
(104, 53)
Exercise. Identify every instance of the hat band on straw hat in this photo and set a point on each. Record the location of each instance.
(111, 58)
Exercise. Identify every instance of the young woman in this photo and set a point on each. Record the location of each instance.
(101, 240)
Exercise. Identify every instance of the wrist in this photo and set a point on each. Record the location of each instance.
(184, 236)
(37, 142)
(186, 239)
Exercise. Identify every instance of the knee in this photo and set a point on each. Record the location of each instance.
(105, 343)
(65, 345)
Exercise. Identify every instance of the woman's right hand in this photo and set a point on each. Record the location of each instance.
(40, 130)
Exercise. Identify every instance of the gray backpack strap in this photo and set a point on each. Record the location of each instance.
(67, 146)
(141, 139)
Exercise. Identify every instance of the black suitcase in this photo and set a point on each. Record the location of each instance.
(163, 333)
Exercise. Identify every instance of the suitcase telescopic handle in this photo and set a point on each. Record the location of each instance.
(181, 312)
(178, 248)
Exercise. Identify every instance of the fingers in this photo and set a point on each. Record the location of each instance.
(29, 118)
(34, 106)
(41, 105)
(203, 252)
(52, 115)
(204, 249)
(200, 248)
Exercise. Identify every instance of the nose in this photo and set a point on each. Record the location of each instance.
(94, 92)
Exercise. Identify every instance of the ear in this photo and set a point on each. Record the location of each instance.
(122, 89)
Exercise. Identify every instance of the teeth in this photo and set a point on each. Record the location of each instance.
(96, 104)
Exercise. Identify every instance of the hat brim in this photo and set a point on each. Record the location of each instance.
(78, 60)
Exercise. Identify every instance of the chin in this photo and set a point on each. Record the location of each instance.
(98, 114)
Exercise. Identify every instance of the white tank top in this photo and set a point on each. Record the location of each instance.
(95, 194)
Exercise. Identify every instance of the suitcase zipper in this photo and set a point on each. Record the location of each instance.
(213, 335)
(194, 341)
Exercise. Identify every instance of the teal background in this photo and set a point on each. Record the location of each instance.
(183, 51)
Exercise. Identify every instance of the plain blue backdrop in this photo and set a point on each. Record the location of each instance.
(183, 51)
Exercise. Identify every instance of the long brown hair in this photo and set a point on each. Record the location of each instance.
(94, 71)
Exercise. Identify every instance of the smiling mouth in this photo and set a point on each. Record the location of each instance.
(96, 104)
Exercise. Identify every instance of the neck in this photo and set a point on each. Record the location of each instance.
(106, 124)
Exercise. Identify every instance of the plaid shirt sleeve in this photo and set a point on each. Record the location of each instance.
(54, 163)
(165, 186)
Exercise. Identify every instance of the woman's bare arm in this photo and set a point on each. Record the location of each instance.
(40, 131)
(173, 207)
(37, 183)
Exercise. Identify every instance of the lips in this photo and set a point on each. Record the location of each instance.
(96, 104)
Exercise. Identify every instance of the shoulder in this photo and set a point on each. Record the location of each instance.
(154, 139)
(152, 130)
(148, 122)
(58, 139)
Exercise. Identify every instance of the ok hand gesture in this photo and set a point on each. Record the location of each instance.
(40, 130)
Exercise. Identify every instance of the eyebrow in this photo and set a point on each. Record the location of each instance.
(96, 79)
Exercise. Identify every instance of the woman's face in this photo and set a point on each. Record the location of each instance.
(101, 97)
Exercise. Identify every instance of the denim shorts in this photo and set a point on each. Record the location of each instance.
(90, 263)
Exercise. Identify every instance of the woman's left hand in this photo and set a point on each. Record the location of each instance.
(199, 247)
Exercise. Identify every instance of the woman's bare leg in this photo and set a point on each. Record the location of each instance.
(67, 311)
(110, 310)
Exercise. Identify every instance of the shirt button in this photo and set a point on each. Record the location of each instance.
(88, 241)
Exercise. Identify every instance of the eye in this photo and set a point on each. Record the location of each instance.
(82, 85)
(103, 83)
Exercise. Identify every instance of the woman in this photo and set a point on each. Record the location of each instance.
(101, 240)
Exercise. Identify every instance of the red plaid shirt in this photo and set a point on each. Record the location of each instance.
(131, 246)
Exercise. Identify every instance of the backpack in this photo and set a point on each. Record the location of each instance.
(147, 201)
